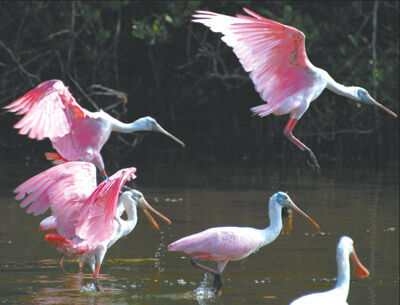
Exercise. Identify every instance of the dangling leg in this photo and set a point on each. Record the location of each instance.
(288, 133)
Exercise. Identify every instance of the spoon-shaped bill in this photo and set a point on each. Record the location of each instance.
(359, 269)
(162, 130)
(381, 106)
(145, 207)
(293, 206)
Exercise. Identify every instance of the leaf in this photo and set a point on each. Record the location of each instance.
(168, 18)
(353, 40)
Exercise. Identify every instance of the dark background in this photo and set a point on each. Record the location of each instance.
(138, 58)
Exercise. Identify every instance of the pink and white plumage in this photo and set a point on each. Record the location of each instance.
(50, 111)
(276, 58)
(87, 218)
(338, 295)
(224, 244)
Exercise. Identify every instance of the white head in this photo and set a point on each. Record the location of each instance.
(362, 95)
(345, 248)
(149, 124)
(135, 197)
(283, 200)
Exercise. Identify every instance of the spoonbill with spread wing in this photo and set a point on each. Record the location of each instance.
(276, 58)
(87, 218)
(224, 244)
(50, 111)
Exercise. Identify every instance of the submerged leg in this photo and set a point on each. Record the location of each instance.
(62, 261)
(288, 133)
(95, 281)
(81, 266)
(217, 274)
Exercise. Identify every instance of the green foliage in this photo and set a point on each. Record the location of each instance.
(152, 30)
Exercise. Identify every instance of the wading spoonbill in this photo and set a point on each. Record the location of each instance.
(87, 218)
(50, 111)
(276, 58)
(338, 295)
(224, 244)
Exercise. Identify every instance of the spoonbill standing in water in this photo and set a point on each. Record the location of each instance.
(87, 218)
(50, 111)
(276, 58)
(338, 295)
(224, 244)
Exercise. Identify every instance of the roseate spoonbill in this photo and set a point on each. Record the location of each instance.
(224, 244)
(276, 58)
(87, 218)
(50, 111)
(338, 295)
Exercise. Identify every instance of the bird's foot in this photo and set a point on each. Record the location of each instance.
(217, 284)
(311, 160)
(97, 285)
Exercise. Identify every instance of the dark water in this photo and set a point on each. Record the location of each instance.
(360, 203)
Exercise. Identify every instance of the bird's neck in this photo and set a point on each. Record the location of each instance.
(118, 126)
(343, 279)
(335, 87)
(275, 222)
(131, 212)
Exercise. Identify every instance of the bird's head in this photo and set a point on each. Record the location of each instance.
(346, 247)
(139, 200)
(284, 201)
(150, 124)
(365, 97)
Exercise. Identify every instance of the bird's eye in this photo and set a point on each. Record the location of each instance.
(365, 93)
(285, 197)
(153, 123)
(140, 196)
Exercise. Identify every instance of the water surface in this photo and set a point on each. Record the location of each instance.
(360, 203)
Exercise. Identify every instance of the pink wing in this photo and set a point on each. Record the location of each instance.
(96, 223)
(63, 188)
(273, 53)
(47, 111)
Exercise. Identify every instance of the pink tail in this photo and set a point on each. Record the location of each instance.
(67, 246)
(263, 110)
(55, 158)
(61, 243)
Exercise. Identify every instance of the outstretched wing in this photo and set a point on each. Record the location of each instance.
(64, 189)
(273, 53)
(99, 210)
(47, 109)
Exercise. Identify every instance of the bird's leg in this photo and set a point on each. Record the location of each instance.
(288, 133)
(95, 281)
(103, 173)
(81, 267)
(62, 261)
(217, 275)
(217, 283)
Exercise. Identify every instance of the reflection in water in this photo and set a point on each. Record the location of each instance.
(360, 203)
(67, 290)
